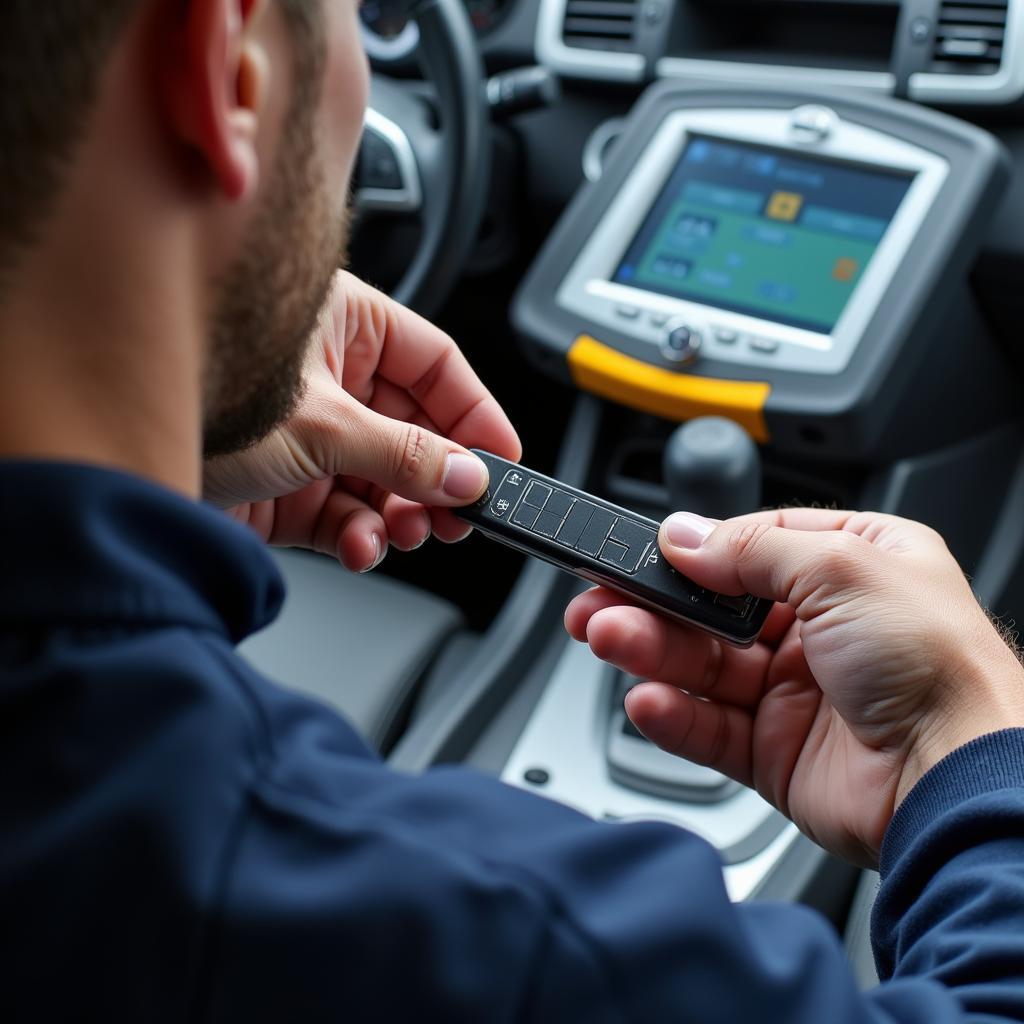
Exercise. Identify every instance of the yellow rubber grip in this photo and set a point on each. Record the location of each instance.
(675, 396)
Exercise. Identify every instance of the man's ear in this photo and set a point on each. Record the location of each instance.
(214, 83)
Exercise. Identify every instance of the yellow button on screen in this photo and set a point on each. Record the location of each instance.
(784, 205)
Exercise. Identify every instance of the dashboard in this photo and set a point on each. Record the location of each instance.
(962, 56)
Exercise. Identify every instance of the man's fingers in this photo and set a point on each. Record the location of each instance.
(349, 530)
(408, 523)
(448, 528)
(754, 554)
(417, 357)
(702, 731)
(404, 458)
(645, 645)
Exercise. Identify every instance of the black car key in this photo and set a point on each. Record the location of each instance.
(604, 544)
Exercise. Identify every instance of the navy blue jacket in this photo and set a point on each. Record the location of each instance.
(182, 840)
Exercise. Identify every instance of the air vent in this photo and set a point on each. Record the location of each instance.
(600, 24)
(969, 37)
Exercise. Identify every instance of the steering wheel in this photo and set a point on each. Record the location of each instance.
(410, 164)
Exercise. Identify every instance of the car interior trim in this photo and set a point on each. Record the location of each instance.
(1004, 87)
(574, 61)
(883, 82)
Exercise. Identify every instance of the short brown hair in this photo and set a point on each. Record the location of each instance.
(52, 55)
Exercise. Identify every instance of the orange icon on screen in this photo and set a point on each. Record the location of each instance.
(784, 205)
(845, 269)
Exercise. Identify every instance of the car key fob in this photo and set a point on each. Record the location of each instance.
(605, 544)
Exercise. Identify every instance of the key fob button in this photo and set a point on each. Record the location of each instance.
(575, 523)
(537, 495)
(596, 533)
(507, 495)
(526, 516)
(559, 503)
(547, 524)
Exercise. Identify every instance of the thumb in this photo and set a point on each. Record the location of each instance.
(407, 459)
(752, 555)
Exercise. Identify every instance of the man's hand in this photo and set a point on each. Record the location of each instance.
(375, 453)
(876, 663)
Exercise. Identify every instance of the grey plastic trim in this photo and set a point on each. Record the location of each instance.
(568, 734)
(741, 73)
(598, 146)
(1005, 547)
(409, 197)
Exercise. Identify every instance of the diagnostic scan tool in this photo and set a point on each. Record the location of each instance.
(604, 544)
(798, 268)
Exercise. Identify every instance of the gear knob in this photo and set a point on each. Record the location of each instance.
(712, 467)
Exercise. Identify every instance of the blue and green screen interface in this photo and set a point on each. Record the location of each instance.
(762, 232)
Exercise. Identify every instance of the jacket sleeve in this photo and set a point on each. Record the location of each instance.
(358, 894)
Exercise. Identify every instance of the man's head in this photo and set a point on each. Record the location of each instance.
(248, 117)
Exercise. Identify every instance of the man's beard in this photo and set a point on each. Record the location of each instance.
(270, 299)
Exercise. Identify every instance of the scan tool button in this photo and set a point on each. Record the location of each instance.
(766, 346)
(681, 345)
(596, 532)
(507, 495)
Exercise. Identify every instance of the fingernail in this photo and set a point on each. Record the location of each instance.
(425, 530)
(379, 554)
(465, 477)
(686, 530)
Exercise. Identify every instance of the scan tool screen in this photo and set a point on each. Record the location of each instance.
(763, 232)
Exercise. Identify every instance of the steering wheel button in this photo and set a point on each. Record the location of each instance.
(378, 164)
(726, 335)
(627, 312)
(766, 346)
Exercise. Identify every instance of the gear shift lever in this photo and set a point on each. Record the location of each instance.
(712, 467)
